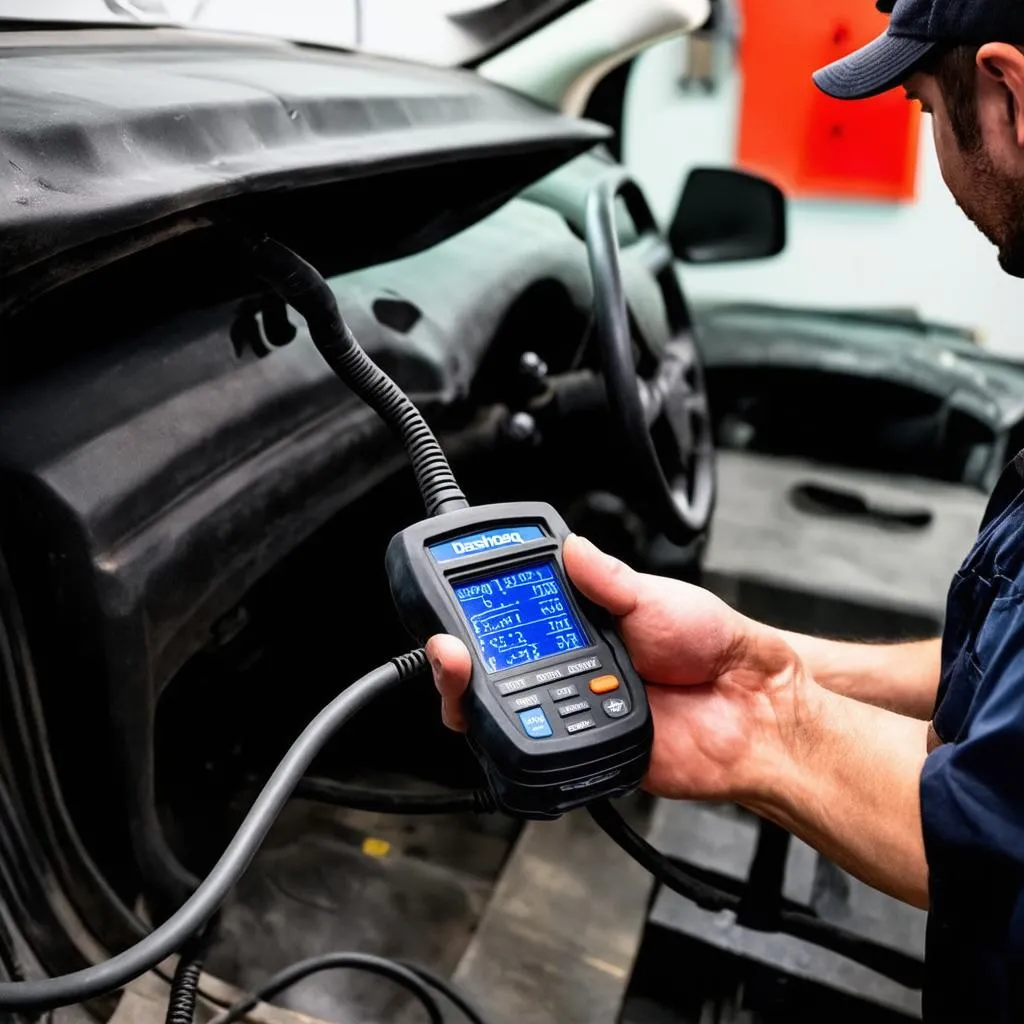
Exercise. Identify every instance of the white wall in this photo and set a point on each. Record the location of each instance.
(924, 255)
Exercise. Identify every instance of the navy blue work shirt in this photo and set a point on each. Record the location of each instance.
(972, 787)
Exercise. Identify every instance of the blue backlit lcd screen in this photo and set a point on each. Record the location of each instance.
(521, 616)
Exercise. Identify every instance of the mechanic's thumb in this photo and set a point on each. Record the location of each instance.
(604, 580)
(452, 667)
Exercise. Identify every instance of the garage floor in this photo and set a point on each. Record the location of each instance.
(542, 931)
(332, 880)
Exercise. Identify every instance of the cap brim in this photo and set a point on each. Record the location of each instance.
(873, 69)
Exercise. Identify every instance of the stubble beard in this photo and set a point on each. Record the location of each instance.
(994, 203)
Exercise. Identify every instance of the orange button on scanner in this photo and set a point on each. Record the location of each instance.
(604, 684)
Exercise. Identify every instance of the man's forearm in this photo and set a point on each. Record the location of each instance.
(848, 784)
(902, 677)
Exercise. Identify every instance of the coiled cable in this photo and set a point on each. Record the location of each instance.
(303, 288)
(181, 1002)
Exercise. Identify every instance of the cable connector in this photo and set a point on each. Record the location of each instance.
(410, 665)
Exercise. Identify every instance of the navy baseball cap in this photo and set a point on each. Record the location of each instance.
(916, 28)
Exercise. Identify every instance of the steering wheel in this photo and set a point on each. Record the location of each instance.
(656, 391)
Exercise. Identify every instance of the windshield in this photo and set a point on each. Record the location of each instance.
(448, 32)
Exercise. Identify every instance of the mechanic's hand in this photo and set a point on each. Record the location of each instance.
(715, 677)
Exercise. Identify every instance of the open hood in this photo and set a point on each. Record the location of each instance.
(114, 137)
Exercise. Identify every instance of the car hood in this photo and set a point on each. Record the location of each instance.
(115, 133)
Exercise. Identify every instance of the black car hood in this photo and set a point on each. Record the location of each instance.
(111, 131)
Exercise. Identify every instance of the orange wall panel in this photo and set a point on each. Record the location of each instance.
(807, 142)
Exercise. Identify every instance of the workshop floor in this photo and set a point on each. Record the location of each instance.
(330, 880)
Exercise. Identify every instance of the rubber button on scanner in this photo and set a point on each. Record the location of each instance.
(577, 668)
(564, 692)
(616, 707)
(575, 708)
(524, 703)
(536, 724)
(604, 684)
(511, 686)
(580, 725)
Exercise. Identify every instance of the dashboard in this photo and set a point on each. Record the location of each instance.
(184, 451)
(171, 440)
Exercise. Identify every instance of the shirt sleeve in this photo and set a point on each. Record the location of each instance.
(972, 803)
(972, 811)
(972, 790)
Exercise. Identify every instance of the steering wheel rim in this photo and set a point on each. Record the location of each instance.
(676, 477)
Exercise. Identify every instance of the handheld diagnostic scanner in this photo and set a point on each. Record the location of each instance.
(557, 714)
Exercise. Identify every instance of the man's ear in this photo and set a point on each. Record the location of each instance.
(1002, 65)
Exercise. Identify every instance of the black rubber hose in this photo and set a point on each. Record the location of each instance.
(448, 990)
(43, 786)
(359, 798)
(26, 888)
(181, 1003)
(901, 968)
(290, 976)
(302, 287)
(202, 905)
(9, 954)
(707, 897)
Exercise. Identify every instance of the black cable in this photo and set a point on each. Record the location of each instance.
(408, 978)
(201, 906)
(448, 990)
(222, 1004)
(707, 897)
(323, 790)
(359, 798)
(26, 889)
(44, 784)
(17, 664)
(9, 954)
(302, 287)
(181, 1002)
(900, 967)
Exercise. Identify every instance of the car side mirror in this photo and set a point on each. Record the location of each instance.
(726, 216)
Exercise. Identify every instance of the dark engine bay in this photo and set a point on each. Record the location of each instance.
(195, 509)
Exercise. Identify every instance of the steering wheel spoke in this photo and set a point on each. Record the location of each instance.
(663, 415)
(652, 397)
(677, 384)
